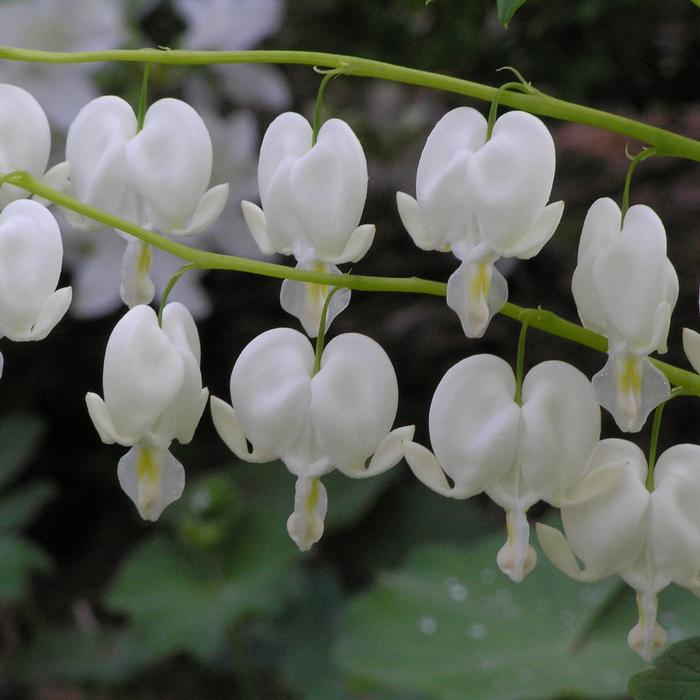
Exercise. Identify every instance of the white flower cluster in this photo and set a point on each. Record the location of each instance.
(483, 196)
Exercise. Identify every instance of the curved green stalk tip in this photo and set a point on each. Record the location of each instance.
(169, 288)
(321, 337)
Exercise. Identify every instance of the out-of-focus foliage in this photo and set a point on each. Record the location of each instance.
(507, 8)
(676, 675)
(448, 623)
(19, 505)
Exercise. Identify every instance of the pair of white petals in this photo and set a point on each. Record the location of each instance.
(518, 454)
(339, 417)
(25, 138)
(614, 525)
(31, 254)
(152, 394)
(156, 177)
(625, 287)
(482, 200)
(312, 197)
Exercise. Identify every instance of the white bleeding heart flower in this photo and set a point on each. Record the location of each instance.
(152, 395)
(625, 287)
(31, 254)
(482, 200)
(339, 417)
(518, 454)
(25, 139)
(312, 197)
(614, 525)
(156, 177)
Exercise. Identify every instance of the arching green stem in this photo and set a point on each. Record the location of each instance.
(642, 155)
(666, 142)
(538, 318)
(321, 337)
(520, 364)
(169, 288)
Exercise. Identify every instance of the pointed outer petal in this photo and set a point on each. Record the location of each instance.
(600, 229)
(25, 138)
(207, 211)
(99, 414)
(510, 179)
(305, 300)
(31, 253)
(559, 429)
(143, 373)
(516, 558)
(305, 524)
(630, 388)
(605, 515)
(691, 347)
(358, 244)
(287, 138)
(58, 178)
(476, 292)
(540, 232)
(51, 313)
(647, 637)
(632, 279)
(558, 551)
(181, 419)
(257, 225)
(271, 389)
(354, 398)
(137, 286)
(441, 179)
(674, 533)
(427, 469)
(389, 453)
(170, 162)
(413, 220)
(474, 422)
(96, 150)
(152, 478)
(328, 188)
(230, 431)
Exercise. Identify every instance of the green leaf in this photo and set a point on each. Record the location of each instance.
(97, 656)
(184, 599)
(450, 625)
(350, 499)
(676, 676)
(21, 506)
(507, 8)
(18, 438)
(18, 558)
(306, 636)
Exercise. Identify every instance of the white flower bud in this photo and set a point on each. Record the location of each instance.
(312, 199)
(152, 394)
(31, 253)
(613, 524)
(625, 288)
(25, 138)
(482, 200)
(339, 417)
(484, 441)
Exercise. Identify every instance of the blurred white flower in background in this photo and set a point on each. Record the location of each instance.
(236, 25)
(59, 25)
